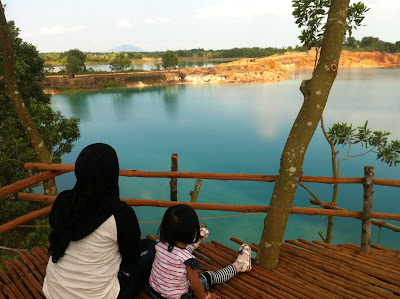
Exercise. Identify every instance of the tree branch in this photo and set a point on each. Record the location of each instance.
(12, 249)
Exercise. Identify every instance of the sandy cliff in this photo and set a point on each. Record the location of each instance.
(305, 60)
(275, 68)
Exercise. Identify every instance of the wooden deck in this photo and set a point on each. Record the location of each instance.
(306, 270)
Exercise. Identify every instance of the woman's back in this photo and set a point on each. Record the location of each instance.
(88, 268)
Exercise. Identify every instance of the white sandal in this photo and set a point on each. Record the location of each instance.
(204, 232)
(244, 258)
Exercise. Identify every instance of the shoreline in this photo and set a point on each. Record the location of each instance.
(273, 68)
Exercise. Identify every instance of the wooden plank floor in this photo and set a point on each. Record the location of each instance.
(306, 270)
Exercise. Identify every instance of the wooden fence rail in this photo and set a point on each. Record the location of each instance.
(197, 206)
(53, 170)
(216, 176)
(25, 183)
(23, 219)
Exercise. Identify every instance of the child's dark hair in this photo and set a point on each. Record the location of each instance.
(180, 223)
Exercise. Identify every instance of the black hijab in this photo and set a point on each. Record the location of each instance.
(78, 212)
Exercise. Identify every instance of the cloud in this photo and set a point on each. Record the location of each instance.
(124, 23)
(240, 9)
(157, 21)
(26, 34)
(58, 29)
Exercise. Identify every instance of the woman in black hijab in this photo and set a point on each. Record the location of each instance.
(95, 245)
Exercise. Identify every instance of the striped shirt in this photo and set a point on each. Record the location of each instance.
(168, 275)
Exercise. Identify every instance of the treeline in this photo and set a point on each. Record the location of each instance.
(254, 52)
(370, 43)
(106, 58)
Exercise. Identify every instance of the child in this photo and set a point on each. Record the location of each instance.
(174, 264)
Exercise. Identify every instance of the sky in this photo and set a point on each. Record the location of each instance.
(159, 25)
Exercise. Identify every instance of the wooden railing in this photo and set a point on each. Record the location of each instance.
(53, 170)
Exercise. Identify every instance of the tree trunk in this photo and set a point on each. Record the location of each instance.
(12, 92)
(335, 173)
(315, 93)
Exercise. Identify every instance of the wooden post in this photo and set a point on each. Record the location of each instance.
(368, 183)
(174, 182)
(195, 193)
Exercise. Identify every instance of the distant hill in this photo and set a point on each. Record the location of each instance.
(125, 48)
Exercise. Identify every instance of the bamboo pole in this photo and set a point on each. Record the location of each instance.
(6, 291)
(224, 207)
(333, 262)
(319, 279)
(41, 267)
(12, 287)
(216, 176)
(368, 184)
(35, 287)
(25, 218)
(255, 282)
(195, 193)
(258, 275)
(25, 183)
(31, 267)
(330, 264)
(174, 181)
(352, 261)
(375, 261)
(18, 283)
(350, 288)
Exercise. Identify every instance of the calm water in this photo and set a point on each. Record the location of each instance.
(238, 129)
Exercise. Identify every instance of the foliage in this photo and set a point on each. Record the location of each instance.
(107, 83)
(311, 15)
(120, 62)
(156, 67)
(24, 238)
(169, 60)
(351, 42)
(48, 67)
(135, 55)
(355, 16)
(377, 141)
(75, 61)
(39, 236)
(370, 43)
(57, 131)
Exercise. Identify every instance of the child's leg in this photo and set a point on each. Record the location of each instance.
(220, 276)
(242, 264)
(206, 286)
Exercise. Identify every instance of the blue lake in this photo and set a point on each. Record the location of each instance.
(239, 129)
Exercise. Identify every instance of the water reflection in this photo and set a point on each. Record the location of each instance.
(123, 103)
(171, 100)
(76, 103)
